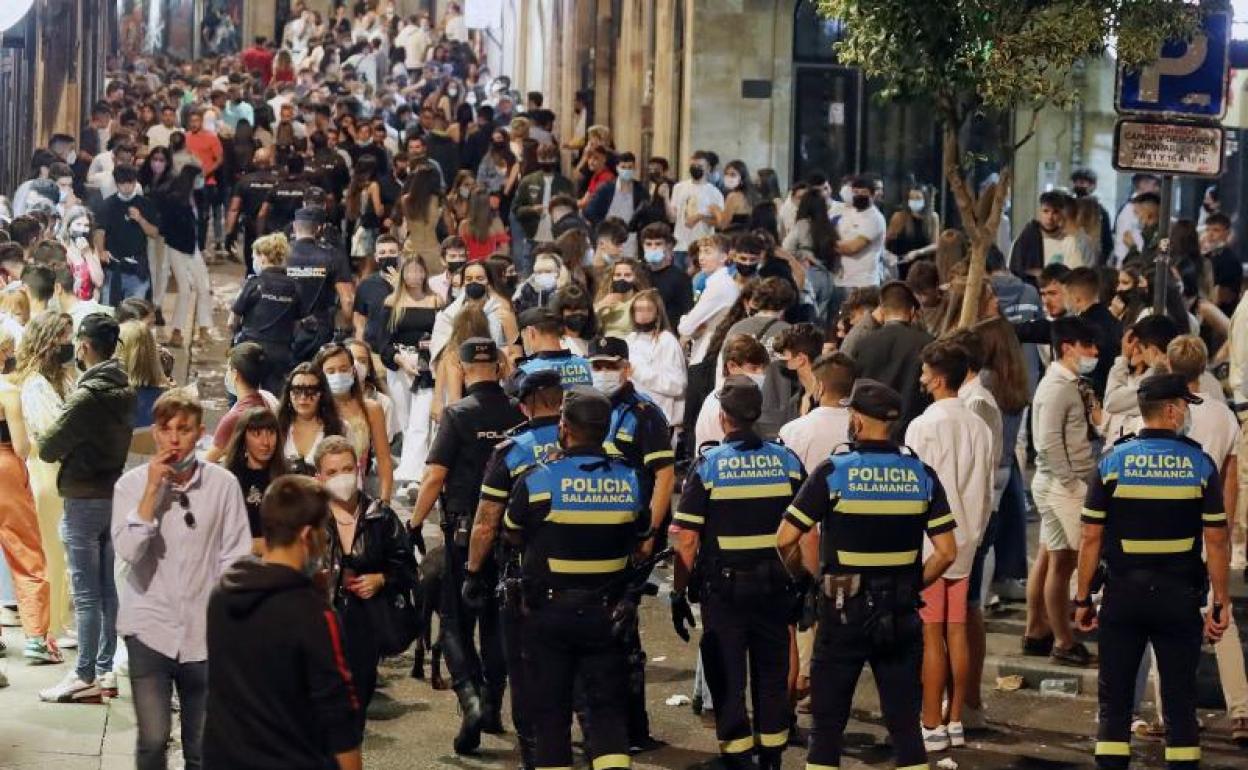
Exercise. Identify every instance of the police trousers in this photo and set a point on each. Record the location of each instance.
(840, 651)
(459, 623)
(511, 625)
(564, 641)
(745, 650)
(1138, 610)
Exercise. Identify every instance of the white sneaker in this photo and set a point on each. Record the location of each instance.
(936, 739)
(68, 640)
(973, 718)
(72, 690)
(9, 617)
(107, 682)
(957, 736)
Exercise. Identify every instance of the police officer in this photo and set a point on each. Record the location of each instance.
(1154, 498)
(267, 310)
(540, 333)
(541, 397)
(250, 193)
(875, 501)
(577, 517)
(470, 429)
(325, 284)
(725, 533)
(285, 198)
(640, 434)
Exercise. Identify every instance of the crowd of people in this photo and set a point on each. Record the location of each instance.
(461, 305)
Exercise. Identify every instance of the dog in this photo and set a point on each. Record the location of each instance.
(431, 572)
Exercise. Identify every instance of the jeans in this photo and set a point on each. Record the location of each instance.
(152, 677)
(119, 286)
(89, 551)
(1011, 540)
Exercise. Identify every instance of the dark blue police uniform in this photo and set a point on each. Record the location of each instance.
(317, 270)
(268, 308)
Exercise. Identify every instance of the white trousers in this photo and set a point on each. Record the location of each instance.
(192, 275)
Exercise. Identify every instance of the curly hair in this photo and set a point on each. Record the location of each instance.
(274, 247)
(39, 352)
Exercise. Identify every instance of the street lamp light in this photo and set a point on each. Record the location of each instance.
(13, 11)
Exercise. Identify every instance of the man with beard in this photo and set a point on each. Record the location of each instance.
(1042, 241)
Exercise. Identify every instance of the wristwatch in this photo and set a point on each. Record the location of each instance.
(1086, 602)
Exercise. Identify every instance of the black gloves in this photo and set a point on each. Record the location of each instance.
(418, 539)
(474, 591)
(682, 614)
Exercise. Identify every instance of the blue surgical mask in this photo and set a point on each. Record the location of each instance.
(655, 258)
(1087, 364)
(626, 175)
(184, 465)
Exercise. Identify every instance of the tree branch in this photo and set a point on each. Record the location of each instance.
(1031, 131)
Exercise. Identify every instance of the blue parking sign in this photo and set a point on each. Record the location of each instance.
(1188, 79)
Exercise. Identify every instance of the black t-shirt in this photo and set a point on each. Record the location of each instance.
(317, 269)
(123, 237)
(676, 289)
(370, 297)
(268, 306)
(470, 429)
(1228, 271)
(391, 191)
(252, 191)
(286, 197)
(253, 484)
(377, 151)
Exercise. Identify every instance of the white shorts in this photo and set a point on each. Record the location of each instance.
(1060, 508)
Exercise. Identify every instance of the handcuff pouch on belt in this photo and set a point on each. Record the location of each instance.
(766, 579)
(457, 527)
(883, 607)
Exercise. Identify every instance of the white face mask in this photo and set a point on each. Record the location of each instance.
(1087, 364)
(732, 182)
(847, 194)
(341, 487)
(608, 382)
(916, 205)
(126, 196)
(1186, 427)
(79, 228)
(758, 379)
(340, 382)
(544, 281)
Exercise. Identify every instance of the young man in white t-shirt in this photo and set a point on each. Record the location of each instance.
(860, 230)
(690, 207)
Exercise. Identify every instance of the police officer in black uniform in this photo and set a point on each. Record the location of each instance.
(876, 501)
(1154, 499)
(250, 193)
(541, 398)
(267, 311)
(578, 517)
(325, 284)
(726, 525)
(285, 198)
(470, 429)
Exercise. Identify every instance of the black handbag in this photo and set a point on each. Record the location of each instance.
(396, 619)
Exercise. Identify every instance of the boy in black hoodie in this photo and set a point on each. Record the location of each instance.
(279, 690)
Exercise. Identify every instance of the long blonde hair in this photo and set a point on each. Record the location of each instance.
(394, 301)
(39, 352)
(139, 355)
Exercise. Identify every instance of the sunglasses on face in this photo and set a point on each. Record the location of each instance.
(305, 391)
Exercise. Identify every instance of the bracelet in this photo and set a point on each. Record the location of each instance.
(1085, 603)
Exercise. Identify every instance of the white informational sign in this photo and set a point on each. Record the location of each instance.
(1168, 148)
(483, 14)
(836, 113)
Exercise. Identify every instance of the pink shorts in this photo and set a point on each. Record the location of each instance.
(945, 601)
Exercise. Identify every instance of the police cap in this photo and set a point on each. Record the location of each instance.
(740, 399)
(608, 349)
(586, 408)
(874, 399)
(312, 214)
(536, 316)
(1163, 387)
(478, 350)
(532, 382)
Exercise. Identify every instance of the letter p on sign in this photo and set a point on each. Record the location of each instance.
(1181, 66)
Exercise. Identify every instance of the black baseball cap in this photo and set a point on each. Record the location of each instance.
(536, 315)
(874, 399)
(586, 408)
(1163, 387)
(740, 399)
(313, 214)
(478, 350)
(608, 349)
(532, 382)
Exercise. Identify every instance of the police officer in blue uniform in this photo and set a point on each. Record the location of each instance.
(267, 311)
(577, 517)
(725, 524)
(875, 501)
(1153, 500)
(325, 283)
(285, 198)
(471, 428)
(249, 195)
(541, 333)
(540, 397)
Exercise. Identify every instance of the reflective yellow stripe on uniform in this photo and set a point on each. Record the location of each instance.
(554, 767)
(817, 766)
(1092, 513)
(519, 469)
(1157, 492)
(803, 518)
(940, 521)
(1212, 518)
(1113, 749)
(1158, 546)
(746, 542)
(622, 436)
(1108, 477)
(885, 559)
(586, 566)
(752, 491)
(508, 523)
(923, 766)
(591, 517)
(659, 455)
(612, 761)
(882, 507)
(737, 745)
(537, 497)
(488, 490)
(611, 448)
(772, 740)
(689, 517)
(1182, 753)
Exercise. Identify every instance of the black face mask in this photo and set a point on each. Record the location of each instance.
(576, 322)
(548, 168)
(747, 269)
(65, 353)
(620, 286)
(1081, 192)
(455, 265)
(862, 202)
(646, 327)
(500, 146)
(474, 290)
(696, 172)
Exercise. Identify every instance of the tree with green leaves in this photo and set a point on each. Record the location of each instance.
(971, 57)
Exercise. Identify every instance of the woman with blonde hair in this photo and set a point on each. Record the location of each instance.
(20, 538)
(267, 309)
(421, 205)
(140, 358)
(448, 381)
(45, 374)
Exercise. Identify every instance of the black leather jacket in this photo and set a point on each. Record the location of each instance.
(381, 545)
